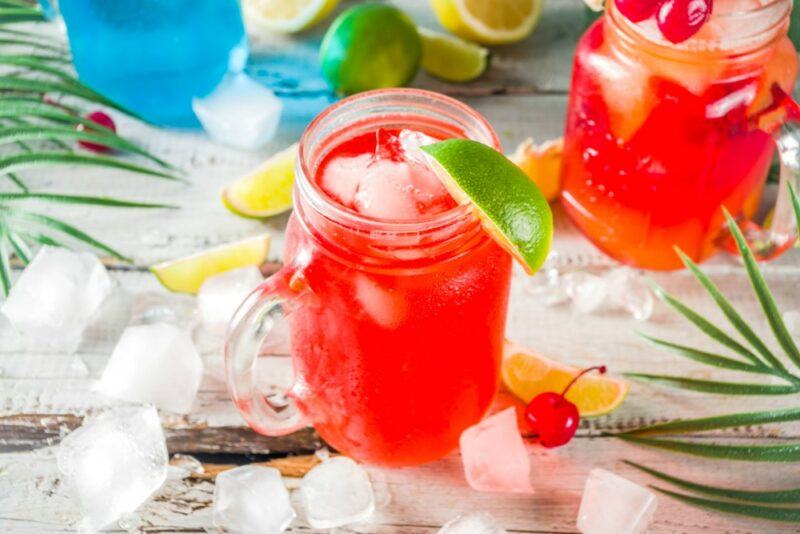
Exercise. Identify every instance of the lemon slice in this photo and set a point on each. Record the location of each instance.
(186, 275)
(489, 21)
(510, 206)
(267, 190)
(285, 16)
(542, 164)
(451, 58)
(527, 374)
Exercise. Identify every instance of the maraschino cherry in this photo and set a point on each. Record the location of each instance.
(102, 119)
(552, 417)
(677, 20)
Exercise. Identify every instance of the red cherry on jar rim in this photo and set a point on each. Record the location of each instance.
(678, 20)
(103, 119)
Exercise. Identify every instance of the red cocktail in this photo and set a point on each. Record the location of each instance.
(396, 299)
(660, 136)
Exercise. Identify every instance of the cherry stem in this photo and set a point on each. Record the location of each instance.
(599, 368)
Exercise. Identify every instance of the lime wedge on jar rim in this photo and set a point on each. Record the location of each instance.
(510, 206)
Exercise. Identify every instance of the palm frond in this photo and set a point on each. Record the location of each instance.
(707, 358)
(85, 200)
(788, 496)
(764, 295)
(748, 453)
(773, 513)
(733, 316)
(21, 249)
(34, 160)
(705, 424)
(713, 386)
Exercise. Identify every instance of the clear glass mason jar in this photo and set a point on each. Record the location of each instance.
(396, 327)
(660, 137)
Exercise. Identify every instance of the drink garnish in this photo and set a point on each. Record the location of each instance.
(509, 204)
(678, 20)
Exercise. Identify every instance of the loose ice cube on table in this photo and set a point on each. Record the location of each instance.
(474, 523)
(586, 291)
(627, 290)
(153, 307)
(494, 455)
(337, 492)
(252, 500)
(113, 463)
(220, 296)
(614, 505)
(240, 112)
(54, 299)
(154, 363)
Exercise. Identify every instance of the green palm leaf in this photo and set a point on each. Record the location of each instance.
(708, 358)
(5, 265)
(85, 200)
(12, 14)
(730, 312)
(764, 295)
(711, 386)
(789, 496)
(773, 513)
(20, 247)
(749, 453)
(58, 226)
(34, 160)
(707, 327)
(37, 132)
(717, 422)
(24, 85)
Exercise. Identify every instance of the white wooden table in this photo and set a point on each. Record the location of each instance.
(43, 396)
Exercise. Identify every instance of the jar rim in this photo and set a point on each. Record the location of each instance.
(310, 191)
(755, 37)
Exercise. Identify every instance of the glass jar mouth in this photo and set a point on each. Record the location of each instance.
(735, 31)
(387, 105)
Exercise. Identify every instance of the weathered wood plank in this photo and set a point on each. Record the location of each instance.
(417, 499)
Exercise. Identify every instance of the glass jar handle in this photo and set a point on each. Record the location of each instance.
(782, 120)
(252, 325)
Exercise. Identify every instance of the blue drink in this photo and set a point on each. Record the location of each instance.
(154, 56)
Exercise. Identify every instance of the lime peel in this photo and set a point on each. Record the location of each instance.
(509, 205)
(267, 190)
(186, 275)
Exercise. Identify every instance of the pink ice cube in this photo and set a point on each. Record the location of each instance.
(342, 176)
(385, 191)
(494, 455)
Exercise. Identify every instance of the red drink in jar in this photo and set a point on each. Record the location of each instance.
(396, 299)
(661, 136)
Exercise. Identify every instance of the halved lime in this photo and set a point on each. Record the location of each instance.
(509, 204)
(451, 58)
(186, 275)
(267, 190)
(370, 46)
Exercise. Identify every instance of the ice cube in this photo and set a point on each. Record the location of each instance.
(154, 363)
(220, 296)
(627, 290)
(494, 455)
(240, 112)
(385, 191)
(252, 500)
(341, 177)
(54, 299)
(113, 463)
(548, 284)
(473, 523)
(410, 141)
(586, 291)
(382, 304)
(152, 307)
(614, 505)
(337, 492)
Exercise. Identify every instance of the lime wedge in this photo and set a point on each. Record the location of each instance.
(186, 275)
(510, 206)
(450, 58)
(267, 190)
